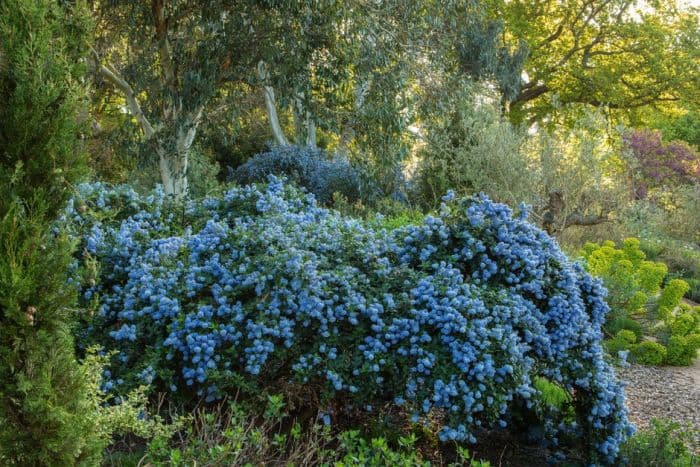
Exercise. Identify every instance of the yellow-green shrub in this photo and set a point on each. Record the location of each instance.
(686, 322)
(631, 280)
(633, 283)
(648, 353)
(684, 340)
(681, 351)
(623, 340)
(671, 297)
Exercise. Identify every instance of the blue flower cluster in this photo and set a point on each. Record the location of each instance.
(455, 317)
(312, 169)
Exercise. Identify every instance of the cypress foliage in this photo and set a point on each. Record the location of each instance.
(45, 416)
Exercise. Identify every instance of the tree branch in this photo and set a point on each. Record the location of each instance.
(580, 219)
(161, 28)
(271, 105)
(530, 94)
(616, 106)
(112, 75)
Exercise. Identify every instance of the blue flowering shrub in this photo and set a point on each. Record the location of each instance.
(312, 169)
(453, 319)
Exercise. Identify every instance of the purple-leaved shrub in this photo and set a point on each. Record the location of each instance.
(455, 317)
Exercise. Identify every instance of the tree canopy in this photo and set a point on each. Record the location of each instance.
(619, 54)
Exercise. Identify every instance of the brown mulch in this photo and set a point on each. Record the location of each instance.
(664, 392)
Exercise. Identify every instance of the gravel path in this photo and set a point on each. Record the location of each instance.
(664, 392)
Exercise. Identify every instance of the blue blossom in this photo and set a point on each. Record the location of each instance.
(455, 317)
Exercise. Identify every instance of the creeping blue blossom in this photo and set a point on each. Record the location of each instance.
(455, 317)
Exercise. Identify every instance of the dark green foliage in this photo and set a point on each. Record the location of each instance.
(44, 413)
(664, 444)
(482, 54)
(624, 323)
(44, 408)
(685, 128)
(40, 102)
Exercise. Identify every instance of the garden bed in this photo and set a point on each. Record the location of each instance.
(664, 392)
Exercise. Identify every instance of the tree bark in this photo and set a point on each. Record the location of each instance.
(271, 106)
(174, 158)
(112, 75)
(305, 126)
(348, 128)
(310, 131)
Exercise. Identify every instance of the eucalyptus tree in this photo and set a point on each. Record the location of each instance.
(166, 60)
(397, 54)
(169, 59)
(350, 69)
(623, 55)
(302, 44)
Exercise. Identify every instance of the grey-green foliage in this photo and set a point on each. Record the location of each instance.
(483, 53)
(672, 217)
(469, 147)
(580, 171)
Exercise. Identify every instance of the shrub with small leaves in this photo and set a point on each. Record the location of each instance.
(45, 409)
(450, 320)
(664, 443)
(686, 321)
(313, 169)
(681, 351)
(635, 284)
(648, 353)
(623, 340)
(630, 279)
(671, 297)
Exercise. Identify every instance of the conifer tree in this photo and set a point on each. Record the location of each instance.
(44, 399)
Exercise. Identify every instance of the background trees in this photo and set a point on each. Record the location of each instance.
(586, 110)
(616, 54)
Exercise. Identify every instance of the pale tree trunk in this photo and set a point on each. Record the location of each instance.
(173, 154)
(298, 126)
(271, 106)
(310, 132)
(173, 151)
(112, 75)
(174, 157)
(173, 173)
(305, 126)
(348, 129)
